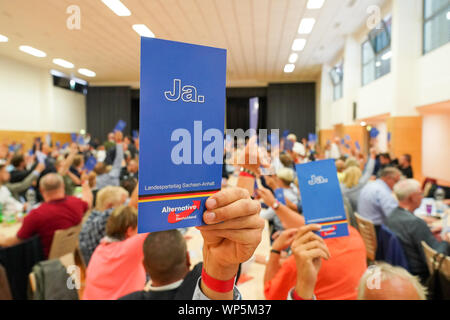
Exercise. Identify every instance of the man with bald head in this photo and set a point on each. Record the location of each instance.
(57, 212)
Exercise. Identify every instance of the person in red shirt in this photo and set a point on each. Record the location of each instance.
(339, 275)
(57, 212)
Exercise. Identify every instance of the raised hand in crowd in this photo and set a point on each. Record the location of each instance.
(232, 233)
(283, 239)
(308, 249)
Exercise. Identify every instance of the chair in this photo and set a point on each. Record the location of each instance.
(433, 263)
(367, 230)
(67, 261)
(64, 242)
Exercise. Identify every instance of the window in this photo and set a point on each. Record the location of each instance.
(337, 77)
(436, 24)
(376, 52)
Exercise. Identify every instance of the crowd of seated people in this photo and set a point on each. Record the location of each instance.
(122, 264)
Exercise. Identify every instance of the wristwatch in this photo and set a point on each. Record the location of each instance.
(276, 205)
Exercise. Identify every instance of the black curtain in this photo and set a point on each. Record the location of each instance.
(105, 106)
(292, 106)
(135, 98)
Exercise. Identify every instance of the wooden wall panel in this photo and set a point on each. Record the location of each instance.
(407, 138)
(27, 137)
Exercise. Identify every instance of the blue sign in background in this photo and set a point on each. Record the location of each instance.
(321, 194)
(201, 67)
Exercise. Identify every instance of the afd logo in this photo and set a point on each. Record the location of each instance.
(317, 180)
(186, 93)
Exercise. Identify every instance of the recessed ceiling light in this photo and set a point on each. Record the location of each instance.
(117, 7)
(306, 25)
(299, 44)
(3, 38)
(63, 63)
(315, 4)
(143, 30)
(33, 51)
(87, 72)
(289, 68)
(448, 15)
(293, 58)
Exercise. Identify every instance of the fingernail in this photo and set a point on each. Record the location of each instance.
(211, 203)
(209, 217)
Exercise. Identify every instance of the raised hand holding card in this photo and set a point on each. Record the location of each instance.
(322, 198)
(182, 113)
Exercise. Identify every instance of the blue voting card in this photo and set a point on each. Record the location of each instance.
(120, 126)
(182, 116)
(58, 144)
(358, 147)
(40, 157)
(347, 137)
(135, 134)
(347, 146)
(73, 136)
(11, 148)
(288, 145)
(374, 133)
(80, 140)
(65, 145)
(90, 163)
(322, 198)
(389, 136)
(343, 141)
(274, 140)
(285, 133)
(279, 195)
(30, 152)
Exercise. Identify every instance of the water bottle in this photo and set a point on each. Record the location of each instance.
(30, 195)
(439, 196)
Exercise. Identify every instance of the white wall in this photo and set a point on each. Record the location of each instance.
(435, 146)
(30, 102)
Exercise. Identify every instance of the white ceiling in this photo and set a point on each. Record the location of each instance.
(257, 33)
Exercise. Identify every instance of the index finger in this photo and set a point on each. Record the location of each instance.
(307, 228)
(225, 197)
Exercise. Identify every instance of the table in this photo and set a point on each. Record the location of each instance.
(9, 229)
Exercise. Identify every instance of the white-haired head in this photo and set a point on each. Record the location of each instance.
(385, 282)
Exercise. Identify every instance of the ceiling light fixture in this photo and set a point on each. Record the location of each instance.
(306, 25)
(315, 4)
(3, 38)
(299, 44)
(87, 72)
(293, 58)
(289, 68)
(63, 63)
(143, 30)
(33, 51)
(117, 7)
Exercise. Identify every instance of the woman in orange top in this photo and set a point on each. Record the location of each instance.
(338, 277)
(116, 268)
